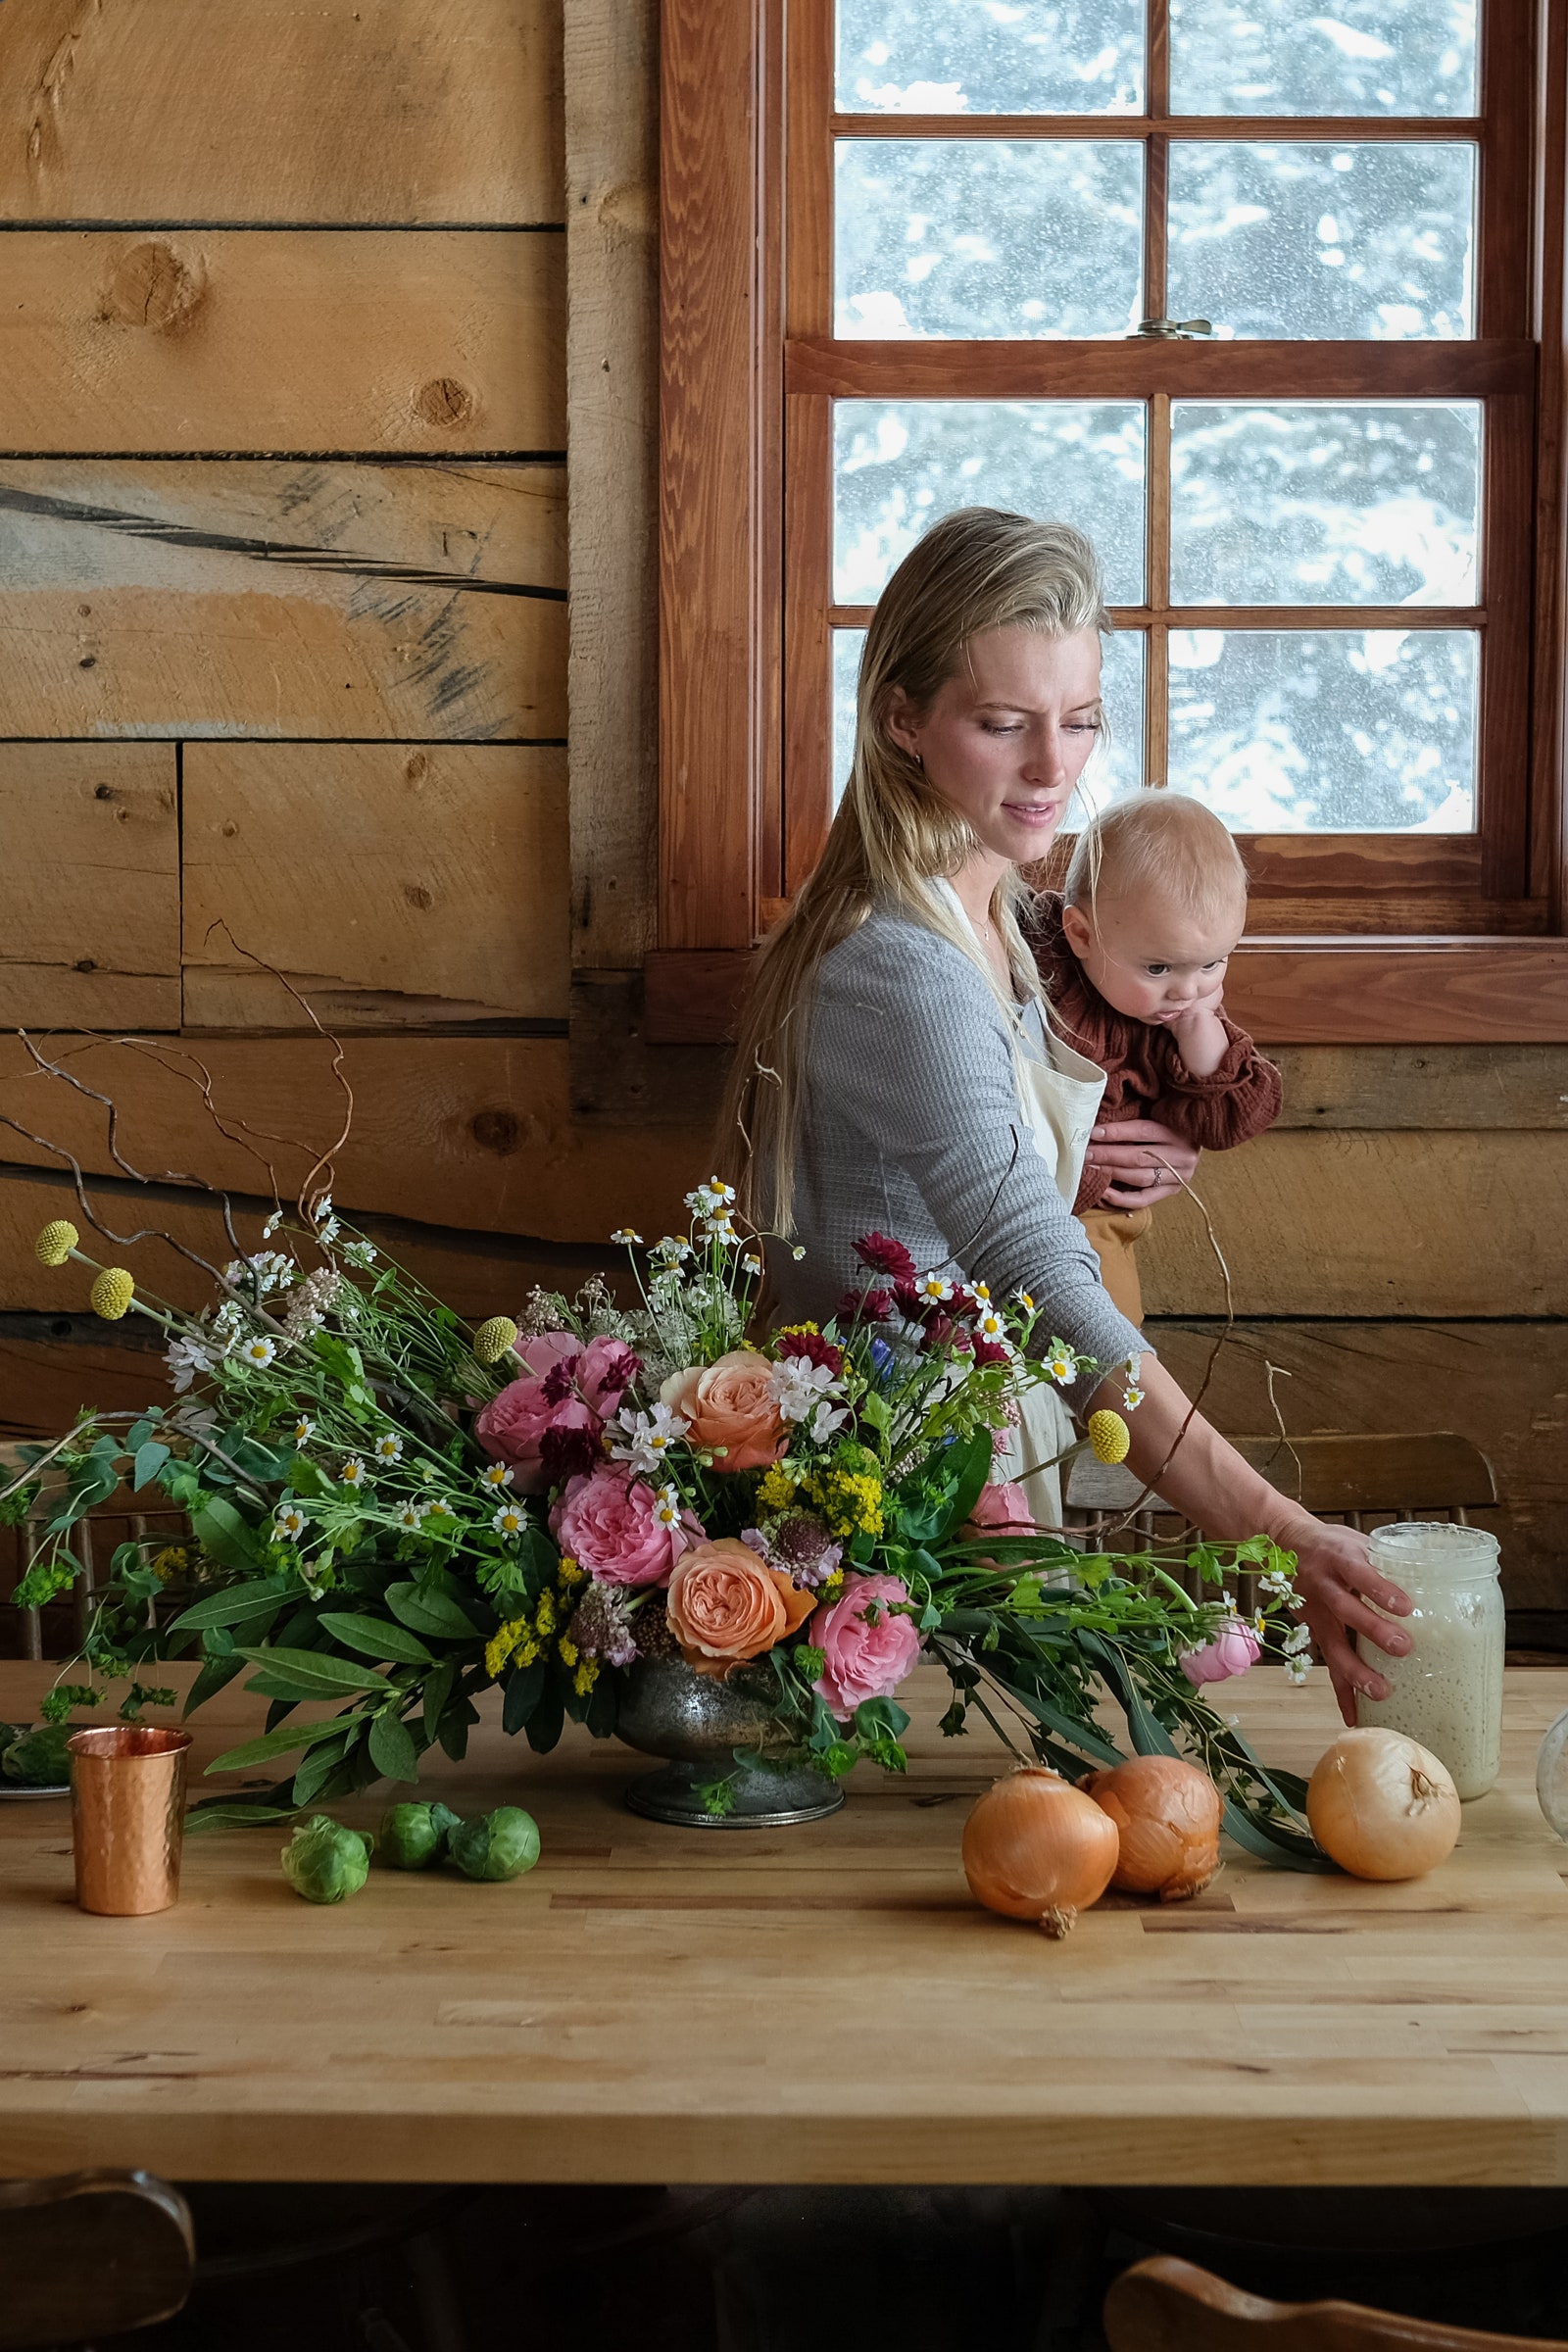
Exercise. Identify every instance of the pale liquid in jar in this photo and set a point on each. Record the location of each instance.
(1446, 1692)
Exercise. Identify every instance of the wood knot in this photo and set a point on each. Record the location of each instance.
(102, 792)
(151, 286)
(86, 964)
(444, 402)
(417, 895)
(416, 767)
(497, 1131)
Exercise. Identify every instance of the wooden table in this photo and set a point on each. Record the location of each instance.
(823, 2004)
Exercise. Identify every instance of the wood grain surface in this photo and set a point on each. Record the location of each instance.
(361, 111)
(282, 598)
(89, 885)
(394, 887)
(284, 339)
(825, 2003)
(459, 1131)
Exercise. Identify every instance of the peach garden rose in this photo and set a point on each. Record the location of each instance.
(726, 1605)
(731, 1408)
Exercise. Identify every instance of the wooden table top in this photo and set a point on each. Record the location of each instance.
(825, 2003)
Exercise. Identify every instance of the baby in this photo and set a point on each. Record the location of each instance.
(1132, 955)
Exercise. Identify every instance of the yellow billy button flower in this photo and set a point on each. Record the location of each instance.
(493, 1339)
(55, 1241)
(112, 1294)
(1108, 1436)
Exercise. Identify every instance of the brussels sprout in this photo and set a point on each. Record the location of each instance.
(324, 1862)
(502, 1846)
(38, 1760)
(413, 1836)
(7, 1733)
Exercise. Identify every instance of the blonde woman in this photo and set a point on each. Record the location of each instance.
(897, 1070)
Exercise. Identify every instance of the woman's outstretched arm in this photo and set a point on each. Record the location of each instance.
(1221, 1493)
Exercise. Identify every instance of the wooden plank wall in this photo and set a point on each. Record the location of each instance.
(283, 648)
(295, 304)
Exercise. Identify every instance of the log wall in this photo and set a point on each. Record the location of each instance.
(299, 310)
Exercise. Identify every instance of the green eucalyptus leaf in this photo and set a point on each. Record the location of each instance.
(225, 1535)
(392, 1749)
(238, 1605)
(324, 1676)
(275, 1743)
(426, 1609)
(150, 1459)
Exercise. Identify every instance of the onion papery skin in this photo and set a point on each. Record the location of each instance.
(1382, 1806)
(1167, 1814)
(1036, 1847)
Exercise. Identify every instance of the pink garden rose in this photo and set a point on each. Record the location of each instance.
(864, 1661)
(1003, 1509)
(608, 1523)
(1234, 1649)
(547, 1426)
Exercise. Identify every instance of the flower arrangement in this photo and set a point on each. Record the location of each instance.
(392, 1511)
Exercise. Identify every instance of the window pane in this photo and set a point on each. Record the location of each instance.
(988, 237)
(899, 465)
(1326, 732)
(1358, 56)
(1348, 241)
(1117, 764)
(954, 56)
(1312, 505)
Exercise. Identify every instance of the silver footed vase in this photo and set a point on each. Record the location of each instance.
(668, 1709)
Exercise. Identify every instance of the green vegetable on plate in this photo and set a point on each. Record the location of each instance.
(37, 1759)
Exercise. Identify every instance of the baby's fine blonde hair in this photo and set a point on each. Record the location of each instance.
(1157, 840)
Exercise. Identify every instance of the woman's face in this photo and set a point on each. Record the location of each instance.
(1005, 739)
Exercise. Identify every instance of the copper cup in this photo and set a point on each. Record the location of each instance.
(127, 1817)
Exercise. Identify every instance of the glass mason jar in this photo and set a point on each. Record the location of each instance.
(1446, 1690)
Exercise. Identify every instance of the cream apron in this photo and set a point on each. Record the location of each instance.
(1061, 1093)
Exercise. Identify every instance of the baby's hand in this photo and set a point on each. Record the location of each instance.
(1199, 1033)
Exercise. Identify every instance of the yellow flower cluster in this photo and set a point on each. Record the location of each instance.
(775, 1489)
(522, 1640)
(176, 1559)
(848, 1501)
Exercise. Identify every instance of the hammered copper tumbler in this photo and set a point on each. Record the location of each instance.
(127, 1817)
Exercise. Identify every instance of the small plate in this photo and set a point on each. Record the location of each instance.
(14, 1788)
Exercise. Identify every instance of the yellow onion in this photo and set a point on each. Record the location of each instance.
(1036, 1847)
(1167, 1815)
(1381, 1806)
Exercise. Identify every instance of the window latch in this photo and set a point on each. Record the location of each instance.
(1173, 330)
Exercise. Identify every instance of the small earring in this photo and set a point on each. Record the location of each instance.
(918, 761)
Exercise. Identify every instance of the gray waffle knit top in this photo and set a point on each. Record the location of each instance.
(911, 1125)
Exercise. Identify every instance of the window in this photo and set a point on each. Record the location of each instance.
(1263, 297)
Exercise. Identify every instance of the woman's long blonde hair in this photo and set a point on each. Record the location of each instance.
(894, 834)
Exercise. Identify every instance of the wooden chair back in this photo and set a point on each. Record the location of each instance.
(1164, 2305)
(90, 2254)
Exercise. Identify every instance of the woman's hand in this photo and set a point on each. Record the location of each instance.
(1338, 1583)
(1147, 1162)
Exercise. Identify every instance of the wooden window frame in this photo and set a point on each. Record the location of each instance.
(743, 417)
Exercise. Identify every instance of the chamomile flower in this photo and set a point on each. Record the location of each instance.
(932, 1286)
(1297, 1668)
(499, 1474)
(991, 1326)
(411, 1516)
(288, 1526)
(510, 1519)
(982, 1291)
(352, 1473)
(304, 1430)
(257, 1352)
(1024, 1299)
(1062, 1365)
(1298, 1638)
(1132, 1398)
(437, 1507)
(625, 1235)
(666, 1507)
(388, 1447)
(751, 1265)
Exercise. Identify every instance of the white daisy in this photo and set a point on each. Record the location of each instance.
(499, 1474)
(932, 1286)
(258, 1352)
(1062, 1366)
(411, 1516)
(1132, 1398)
(352, 1473)
(666, 1507)
(304, 1430)
(625, 1235)
(510, 1519)
(388, 1447)
(288, 1526)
